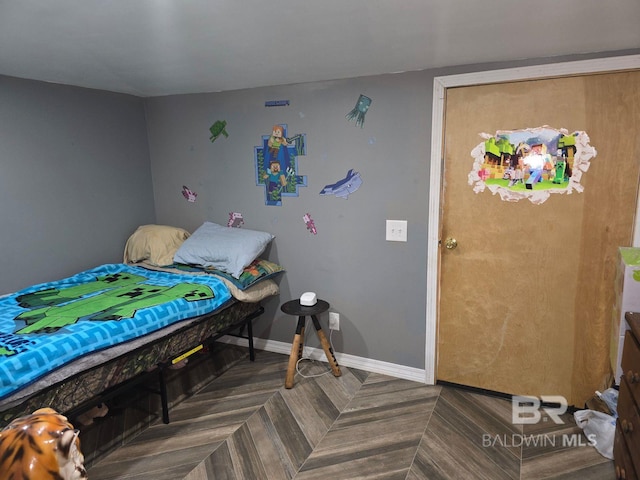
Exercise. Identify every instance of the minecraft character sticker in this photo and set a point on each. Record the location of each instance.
(274, 177)
(531, 163)
(344, 187)
(276, 140)
(360, 110)
(217, 129)
(188, 194)
(235, 220)
(308, 221)
(277, 164)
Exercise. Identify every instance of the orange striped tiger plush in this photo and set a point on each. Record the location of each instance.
(41, 446)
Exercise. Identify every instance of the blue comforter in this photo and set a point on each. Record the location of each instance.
(45, 326)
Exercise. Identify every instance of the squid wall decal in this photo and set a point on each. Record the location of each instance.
(360, 110)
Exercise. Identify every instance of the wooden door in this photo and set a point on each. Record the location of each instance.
(526, 297)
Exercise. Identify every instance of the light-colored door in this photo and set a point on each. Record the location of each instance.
(526, 297)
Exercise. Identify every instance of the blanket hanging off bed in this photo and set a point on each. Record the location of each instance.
(46, 326)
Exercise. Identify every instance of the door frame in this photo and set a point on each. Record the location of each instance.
(440, 85)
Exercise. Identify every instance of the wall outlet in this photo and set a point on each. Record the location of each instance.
(334, 321)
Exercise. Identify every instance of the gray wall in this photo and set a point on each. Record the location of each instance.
(75, 179)
(378, 287)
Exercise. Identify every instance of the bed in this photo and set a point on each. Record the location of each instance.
(70, 343)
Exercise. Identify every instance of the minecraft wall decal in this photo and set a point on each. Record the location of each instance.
(360, 110)
(189, 195)
(344, 187)
(235, 220)
(310, 224)
(276, 160)
(217, 129)
(276, 103)
(531, 163)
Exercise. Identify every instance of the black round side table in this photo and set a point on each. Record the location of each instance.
(293, 307)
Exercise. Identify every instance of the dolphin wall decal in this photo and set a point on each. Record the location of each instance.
(344, 187)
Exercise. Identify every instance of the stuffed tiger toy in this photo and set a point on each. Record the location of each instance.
(41, 446)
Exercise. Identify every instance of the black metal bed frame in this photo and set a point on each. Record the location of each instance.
(132, 383)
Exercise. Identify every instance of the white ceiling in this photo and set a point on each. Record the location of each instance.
(162, 47)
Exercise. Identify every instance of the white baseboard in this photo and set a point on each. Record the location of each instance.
(351, 361)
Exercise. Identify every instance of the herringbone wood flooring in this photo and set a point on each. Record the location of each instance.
(243, 424)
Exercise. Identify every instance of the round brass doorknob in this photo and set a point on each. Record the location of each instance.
(450, 243)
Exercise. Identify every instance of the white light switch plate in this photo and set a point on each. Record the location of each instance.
(396, 230)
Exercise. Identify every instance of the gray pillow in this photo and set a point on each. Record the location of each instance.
(224, 248)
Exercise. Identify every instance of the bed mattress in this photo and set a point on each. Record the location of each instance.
(57, 351)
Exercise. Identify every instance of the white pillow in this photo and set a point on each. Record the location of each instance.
(224, 248)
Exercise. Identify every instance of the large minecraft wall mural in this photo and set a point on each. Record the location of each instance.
(277, 164)
(531, 163)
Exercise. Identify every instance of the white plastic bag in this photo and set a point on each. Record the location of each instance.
(600, 429)
(610, 397)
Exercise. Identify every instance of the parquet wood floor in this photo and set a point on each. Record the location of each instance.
(243, 424)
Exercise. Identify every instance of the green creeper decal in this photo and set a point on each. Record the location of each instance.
(121, 301)
(54, 296)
